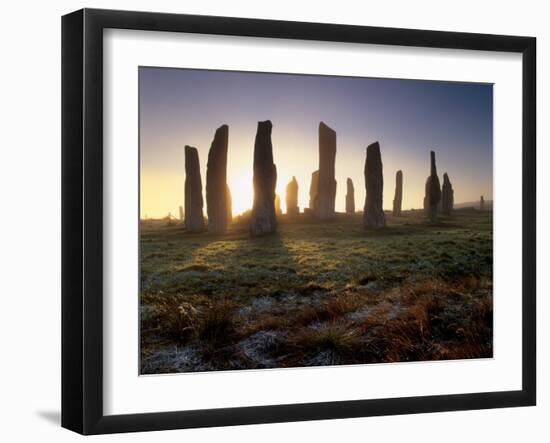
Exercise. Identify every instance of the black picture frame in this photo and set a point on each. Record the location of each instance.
(82, 218)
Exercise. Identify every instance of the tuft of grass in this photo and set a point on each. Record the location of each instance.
(340, 338)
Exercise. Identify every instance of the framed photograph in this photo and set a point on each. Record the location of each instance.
(268, 221)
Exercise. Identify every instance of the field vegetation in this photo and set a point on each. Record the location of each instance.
(316, 293)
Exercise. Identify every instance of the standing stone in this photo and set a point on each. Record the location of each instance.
(229, 202)
(292, 197)
(263, 220)
(326, 188)
(194, 219)
(373, 215)
(481, 203)
(278, 210)
(426, 193)
(216, 181)
(181, 213)
(313, 188)
(447, 196)
(398, 197)
(350, 197)
(433, 190)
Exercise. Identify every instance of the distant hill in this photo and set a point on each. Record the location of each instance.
(488, 205)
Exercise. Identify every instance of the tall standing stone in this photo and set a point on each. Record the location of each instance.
(398, 197)
(263, 220)
(373, 215)
(194, 219)
(350, 197)
(216, 181)
(278, 210)
(433, 190)
(181, 213)
(313, 188)
(481, 203)
(326, 188)
(447, 196)
(292, 197)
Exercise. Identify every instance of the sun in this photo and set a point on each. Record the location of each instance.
(242, 193)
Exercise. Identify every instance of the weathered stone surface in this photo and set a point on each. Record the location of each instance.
(292, 197)
(373, 215)
(398, 196)
(313, 188)
(481, 203)
(263, 220)
(432, 197)
(350, 197)
(326, 188)
(194, 219)
(447, 195)
(278, 209)
(181, 213)
(216, 181)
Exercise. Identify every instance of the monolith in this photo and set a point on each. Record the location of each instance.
(313, 187)
(481, 203)
(181, 213)
(350, 197)
(292, 197)
(326, 188)
(216, 181)
(398, 196)
(194, 219)
(433, 190)
(373, 214)
(263, 220)
(447, 196)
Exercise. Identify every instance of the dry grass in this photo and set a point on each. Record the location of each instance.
(317, 294)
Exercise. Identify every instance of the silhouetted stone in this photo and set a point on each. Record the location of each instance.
(278, 210)
(326, 188)
(292, 197)
(373, 215)
(481, 203)
(398, 196)
(350, 197)
(447, 196)
(229, 202)
(216, 181)
(181, 213)
(263, 219)
(432, 197)
(194, 219)
(313, 188)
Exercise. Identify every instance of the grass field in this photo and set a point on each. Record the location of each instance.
(317, 293)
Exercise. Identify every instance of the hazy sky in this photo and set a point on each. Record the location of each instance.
(408, 118)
